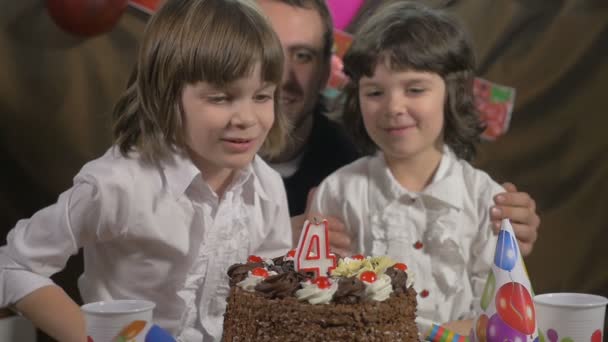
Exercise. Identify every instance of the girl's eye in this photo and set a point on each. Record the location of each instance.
(416, 90)
(374, 93)
(218, 99)
(263, 98)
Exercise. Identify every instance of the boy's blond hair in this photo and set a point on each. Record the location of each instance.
(187, 41)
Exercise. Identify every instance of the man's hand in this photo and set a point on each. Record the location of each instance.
(339, 239)
(520, 208)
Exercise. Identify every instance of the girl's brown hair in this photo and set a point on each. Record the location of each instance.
(187, 41)
(412, 36)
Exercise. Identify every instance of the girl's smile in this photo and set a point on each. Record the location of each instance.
(403, 111)
(399, 131)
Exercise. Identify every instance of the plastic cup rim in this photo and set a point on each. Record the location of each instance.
(543, 299)
(146, 305)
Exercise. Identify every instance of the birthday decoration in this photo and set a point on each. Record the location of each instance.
(495, 103)
(86, 18)
(146, 6)
(515, 307)
(312, 253)
(343, 12)
(499, 330)
(481, 328)
(488, 291)
(337, 79)
(508, 308)
(506, 251)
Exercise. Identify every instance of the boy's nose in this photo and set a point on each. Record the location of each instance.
(244, 115)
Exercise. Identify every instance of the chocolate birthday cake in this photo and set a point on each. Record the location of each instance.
(364, 299)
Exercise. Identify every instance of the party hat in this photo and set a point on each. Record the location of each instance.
(507, 309)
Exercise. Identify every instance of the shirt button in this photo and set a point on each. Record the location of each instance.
(424, 293)
(418, 244)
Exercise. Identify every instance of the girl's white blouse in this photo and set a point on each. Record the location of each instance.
(158, 233)
(442, 233)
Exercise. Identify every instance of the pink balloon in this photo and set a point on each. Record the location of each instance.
(343, 11)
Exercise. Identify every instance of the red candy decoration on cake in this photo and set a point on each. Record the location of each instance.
(368, 277)
(322, 282)
(254, 259)
(259, 272)
(400, 266)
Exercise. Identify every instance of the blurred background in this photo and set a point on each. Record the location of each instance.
(57, 90)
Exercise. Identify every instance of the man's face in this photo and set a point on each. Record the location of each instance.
(306, 67)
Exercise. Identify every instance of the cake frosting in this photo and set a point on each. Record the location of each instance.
(363, 299)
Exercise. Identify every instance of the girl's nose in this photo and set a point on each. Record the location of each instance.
(397, 105)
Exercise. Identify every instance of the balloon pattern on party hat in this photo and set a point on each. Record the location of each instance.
(506, 251)
(508, 312)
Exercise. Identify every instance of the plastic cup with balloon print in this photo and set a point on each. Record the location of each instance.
(568, 317)
(105, 320)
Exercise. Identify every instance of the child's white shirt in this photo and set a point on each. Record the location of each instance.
(156, 233)
(442, 233)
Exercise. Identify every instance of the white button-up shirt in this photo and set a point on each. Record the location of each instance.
(157, 233)
(442, 233)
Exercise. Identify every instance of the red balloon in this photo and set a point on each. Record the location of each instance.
(515, 307)
(86, 17)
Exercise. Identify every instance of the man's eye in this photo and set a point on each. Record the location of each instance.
(303, 57)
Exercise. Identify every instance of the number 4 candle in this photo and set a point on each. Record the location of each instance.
(312, 253)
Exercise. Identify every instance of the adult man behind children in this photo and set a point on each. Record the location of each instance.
(320, 146)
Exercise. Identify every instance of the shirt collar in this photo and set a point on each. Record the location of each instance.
(180, 173)
(447, 185)
(257, 184)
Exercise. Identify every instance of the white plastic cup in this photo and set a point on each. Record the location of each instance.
(106, 319)
(577, 316)
(17, 328)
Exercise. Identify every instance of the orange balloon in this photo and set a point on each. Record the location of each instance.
(131, 330)
(86, 17)
(480, 329)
